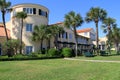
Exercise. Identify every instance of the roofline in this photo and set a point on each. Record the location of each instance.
(84, 29)
(57, 23)
(29, 4)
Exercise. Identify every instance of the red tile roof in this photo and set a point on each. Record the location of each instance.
(84, 30)
(57, 23)
(2, 32)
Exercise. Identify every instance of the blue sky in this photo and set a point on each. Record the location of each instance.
(58, 8)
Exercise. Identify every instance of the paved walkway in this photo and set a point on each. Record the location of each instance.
(107, 61)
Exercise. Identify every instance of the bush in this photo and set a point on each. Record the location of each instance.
(53, 52)
(11, 47)
(33, 54)
(67, 52)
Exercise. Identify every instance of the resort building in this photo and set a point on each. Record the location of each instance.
(102, 43)
(66, 39)
(36, 15)
(87, 32)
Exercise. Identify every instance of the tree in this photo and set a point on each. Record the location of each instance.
(48, 35)
(55, 30)
(13, 45)
(4, 7)
(115, 37)
(39, 34)
(96, 15)
(108, 23)
(43, 32)
(22, 16)
(72, 21)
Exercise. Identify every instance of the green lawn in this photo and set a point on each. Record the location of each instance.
(58, 69)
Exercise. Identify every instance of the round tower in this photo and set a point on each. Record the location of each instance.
(36, 15)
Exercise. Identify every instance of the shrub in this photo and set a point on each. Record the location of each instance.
(33, 54)
(53, 52)
(11, 47)
(67, 52)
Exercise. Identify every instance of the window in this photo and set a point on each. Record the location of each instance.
(30, 10)
(43, 13)
(29, 27)
(66, 35)
(70, 35)
(59, 35)
(39, 11)
(14, 13)
(34, 10)
(29, 49)
(92, 36)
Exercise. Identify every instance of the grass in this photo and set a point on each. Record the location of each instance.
(58, 69)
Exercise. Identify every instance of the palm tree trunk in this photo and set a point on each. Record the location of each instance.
(109, 39)
(48, 43)
(3, 17)
(56, 41)
(76, 41)
(21, 36)
(41, 44)
(117, 47)
(97, 36)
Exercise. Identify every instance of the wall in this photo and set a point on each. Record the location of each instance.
(14, 25)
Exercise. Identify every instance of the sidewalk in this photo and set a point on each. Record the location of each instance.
(107, 61)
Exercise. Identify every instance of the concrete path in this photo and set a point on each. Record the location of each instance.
(107, 61)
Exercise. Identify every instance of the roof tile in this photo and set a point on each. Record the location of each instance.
(84, 30)
(2, 32)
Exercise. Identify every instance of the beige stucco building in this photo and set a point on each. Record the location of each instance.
(36, 15)
(67, 39)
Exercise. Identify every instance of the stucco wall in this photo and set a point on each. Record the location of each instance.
(14, 25)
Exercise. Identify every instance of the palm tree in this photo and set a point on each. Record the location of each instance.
(96, 15)
(115, 37)
(4, 7)
(72, 21)
(55, 30)
(39, 34)
(48, 36)
(22, 16)
(108, 23)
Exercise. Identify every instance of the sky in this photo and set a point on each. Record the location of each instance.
(58, 9)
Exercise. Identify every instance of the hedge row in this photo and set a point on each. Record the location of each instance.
(48, 54)
(26, 58)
